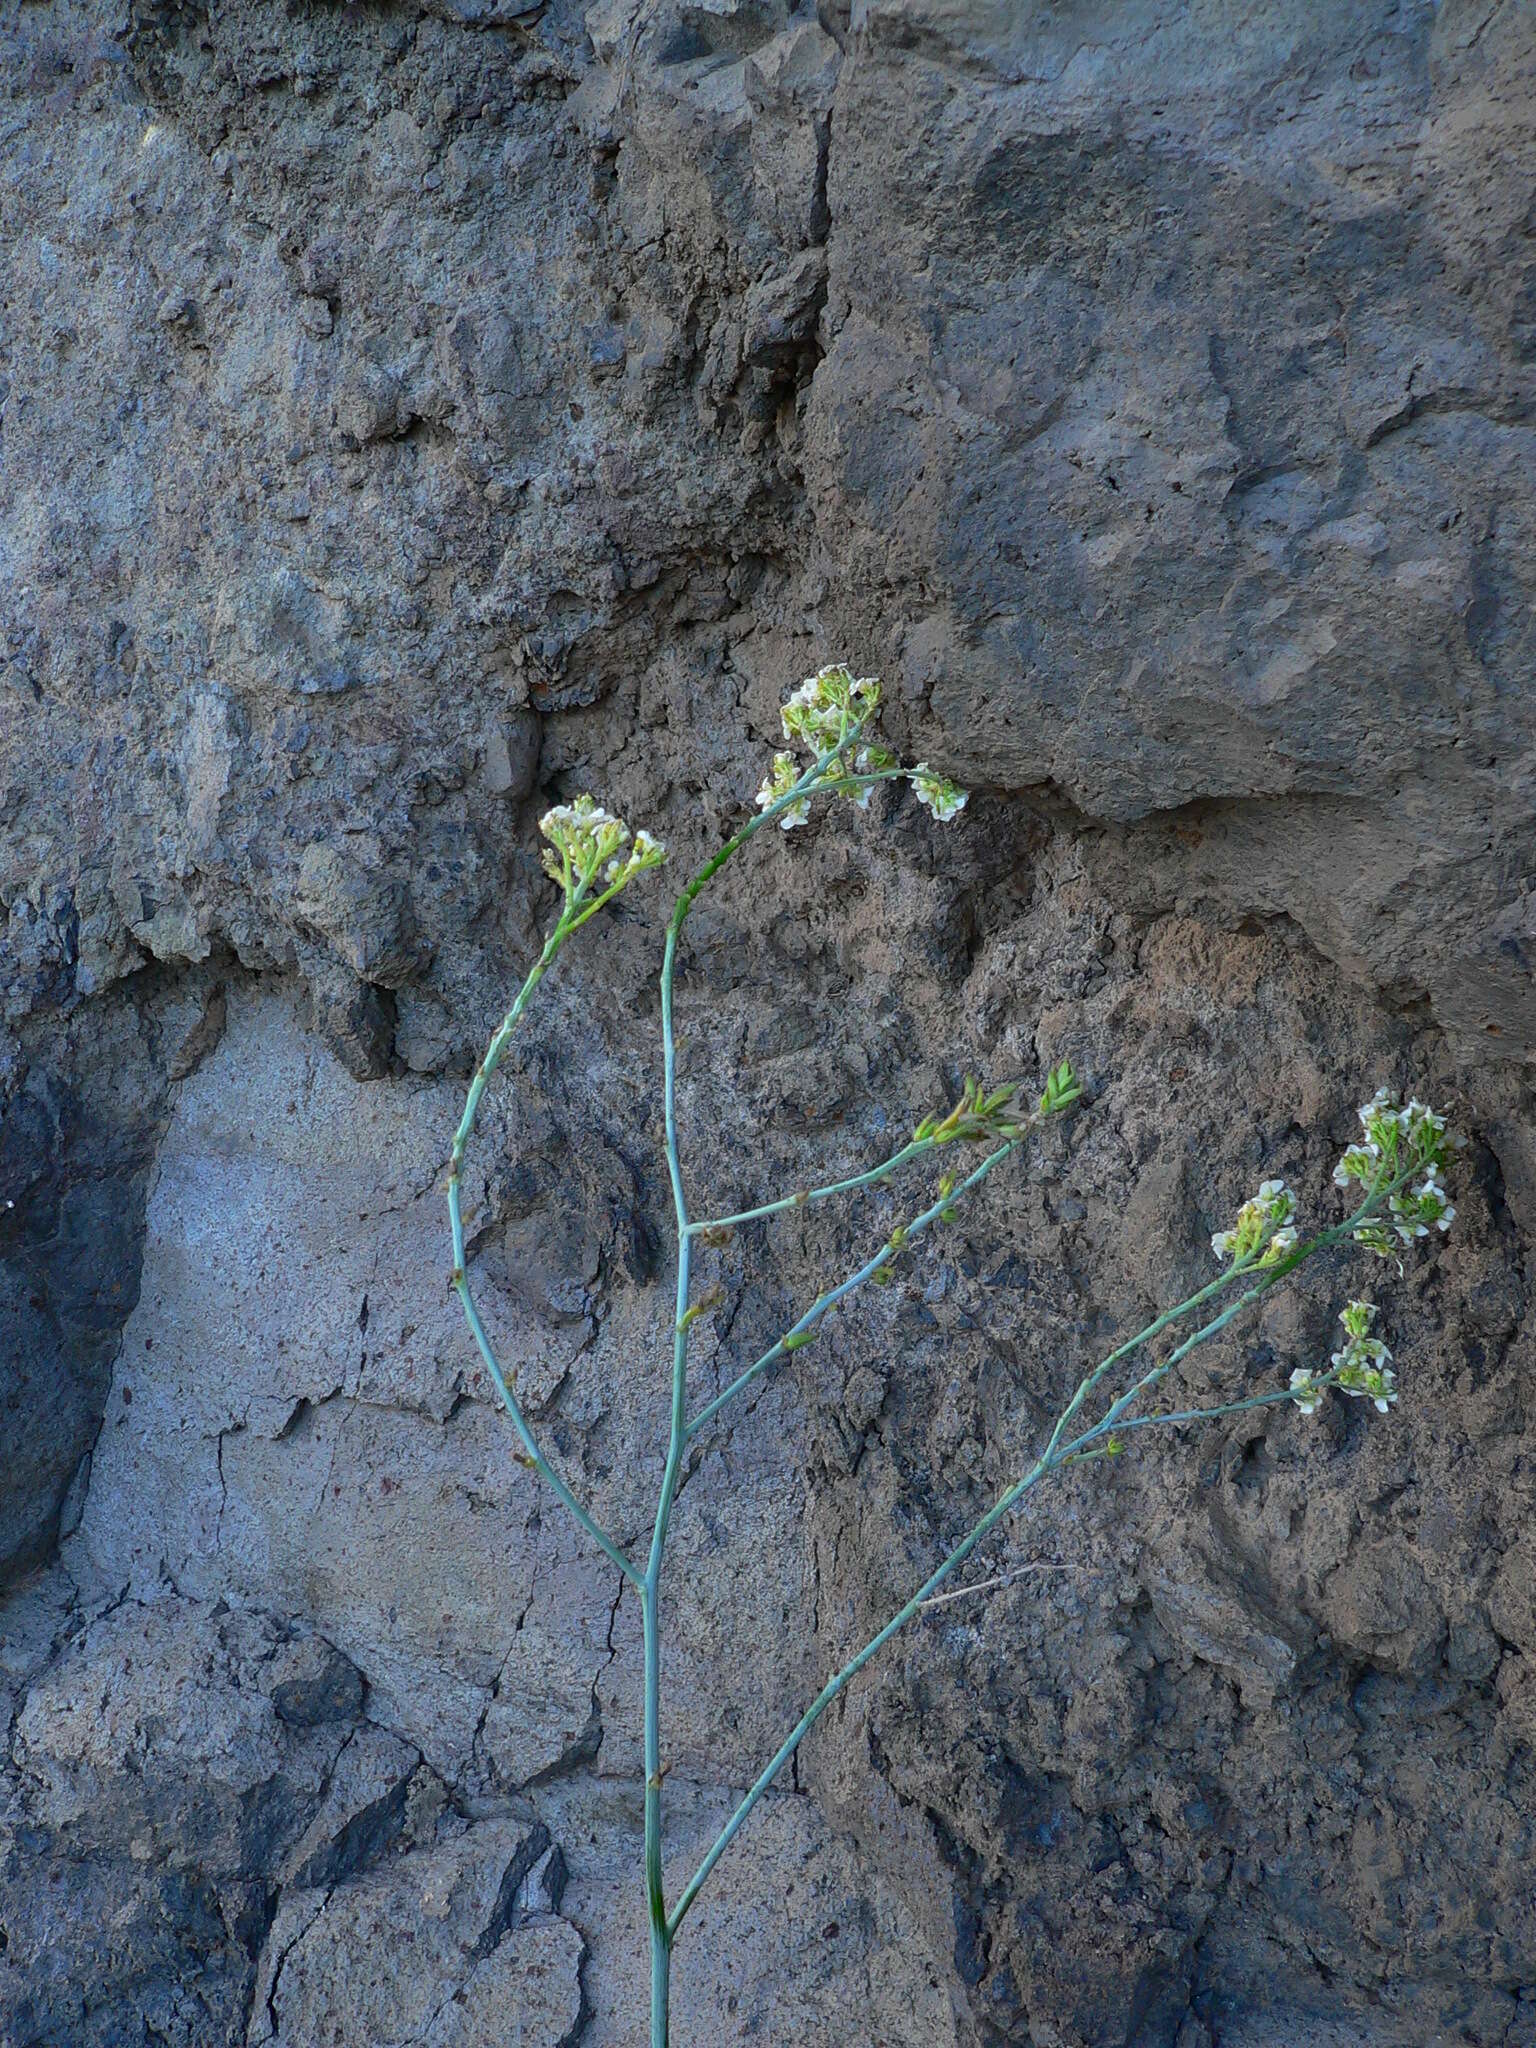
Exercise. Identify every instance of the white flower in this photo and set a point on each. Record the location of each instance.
(827, 705)
(1363, 1368)
(1263, 1226)
(1376, 1384)
(1423, 1127)
(1432, 1198)
(1357, 1317)
(1362, 1351)
(778, 783)
(1359, 1162)
(583, 836)
(1375, 1237)
(647, 852)
(1412, 1135)
(585, 817)
(1381, 1104)
(871, 760)
(1427, 1205)
(1306, 1392)
(945, 799)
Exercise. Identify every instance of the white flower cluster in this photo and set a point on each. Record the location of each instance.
(646, 852)
(779, 782)
(936, 793)
(1362, 1367)
(1264, 1230)
(1306, 1391)
(827, 705)
(1400, 1139)
(588, 844)
(1422, 1207)
(821, 715)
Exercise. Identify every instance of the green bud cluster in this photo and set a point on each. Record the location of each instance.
(994, 1116)
(980, 1117)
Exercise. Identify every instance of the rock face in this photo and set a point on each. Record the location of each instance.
(412, 412)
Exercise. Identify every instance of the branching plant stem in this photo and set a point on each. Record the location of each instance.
(1263, 1261)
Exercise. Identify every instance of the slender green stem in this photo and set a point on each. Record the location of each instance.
(509, 1400)
(661, 1988)
(1052, 1458)
(833, 1295)
(839, 1683)
(650, 1585)
(1275, 1398)
(660, 1937)
(1149, 1334)
(912, 1150)
(655, 1893)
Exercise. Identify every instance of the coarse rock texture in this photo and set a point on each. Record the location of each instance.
(415, 410)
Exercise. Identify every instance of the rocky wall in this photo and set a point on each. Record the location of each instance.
(413, 411)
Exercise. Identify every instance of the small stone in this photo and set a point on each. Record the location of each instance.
(509, 761)
(606, 350)
(1473, 1651)
(864, 1396)
(355, 1020)
(320, 269)
(331, 1692)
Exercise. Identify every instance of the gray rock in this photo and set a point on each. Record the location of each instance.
(422, 1951)
(1248, 355)
(414, 415)
(50, 1422)
(328, 1688)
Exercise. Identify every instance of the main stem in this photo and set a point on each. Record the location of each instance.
(656, 1898)
(661, 1929)
(650, 1601)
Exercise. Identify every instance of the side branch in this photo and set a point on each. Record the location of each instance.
(1056, 1454)
(839, 1683)
(800, 1332)
(913, 1150)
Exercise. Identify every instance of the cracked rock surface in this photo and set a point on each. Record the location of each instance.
(414, 413)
